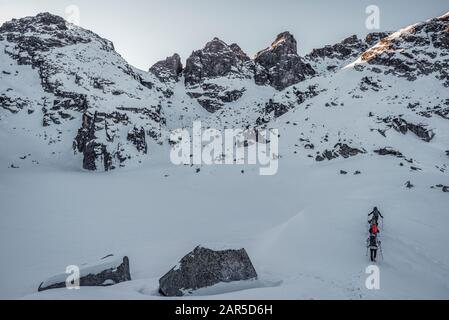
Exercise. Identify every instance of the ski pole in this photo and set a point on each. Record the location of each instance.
(381, 252)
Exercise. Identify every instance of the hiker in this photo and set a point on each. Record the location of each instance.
(375, 213)
(373, 244)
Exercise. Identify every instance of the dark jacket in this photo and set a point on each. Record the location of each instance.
(376, 213)
(372, 242)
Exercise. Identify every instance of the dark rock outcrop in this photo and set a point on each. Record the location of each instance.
(24, 34)
(280, 66)
(387, 151)
(205, 267)
(100, 130)
(168, 69)
(216, 59)
(94, 150)
(137, 137)
(340, 149)
(239, 52)
(401, 125)
(421, 131)
(350, 47)
(108, 272)
(11, 104)
(275, 109)
(374, 37)
(213, 96)
(414, 51)
(331, 58)
(368, 83)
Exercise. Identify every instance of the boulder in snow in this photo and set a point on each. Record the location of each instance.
(109, 271)
(205, 267)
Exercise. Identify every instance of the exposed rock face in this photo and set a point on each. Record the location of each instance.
(350, 47)
(24, 33)
(168, 69)
(406, 53)
(387, 151)
(420, 130)
(403, 126)
(95, 154)
(214, 96)
(205, 267)
(280, 65)
(11, 104)
(99, 130)
(137, 137)
(368, 83)
(340, 149)
(216, 59)
(331, 58)
(108, 272)
(372, 38)
(274, 109)
(239, 52)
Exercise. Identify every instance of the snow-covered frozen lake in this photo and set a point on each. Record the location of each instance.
(304, 228)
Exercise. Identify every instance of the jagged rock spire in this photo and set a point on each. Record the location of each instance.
(216, 59)
(168, 69)
(280, 65)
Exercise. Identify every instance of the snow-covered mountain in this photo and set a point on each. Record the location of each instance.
(75, 82)
(357, 120)
(79, 91)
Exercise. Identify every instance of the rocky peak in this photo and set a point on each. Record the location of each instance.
(331, 58)
(419, 49)
(43, 20)
(86, 80)
(43, 32)
(216, 59)
(284, 43)
(168, 69)
(280, 65)
(216, 46)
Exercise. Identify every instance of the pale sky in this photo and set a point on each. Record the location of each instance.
(145, 31)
